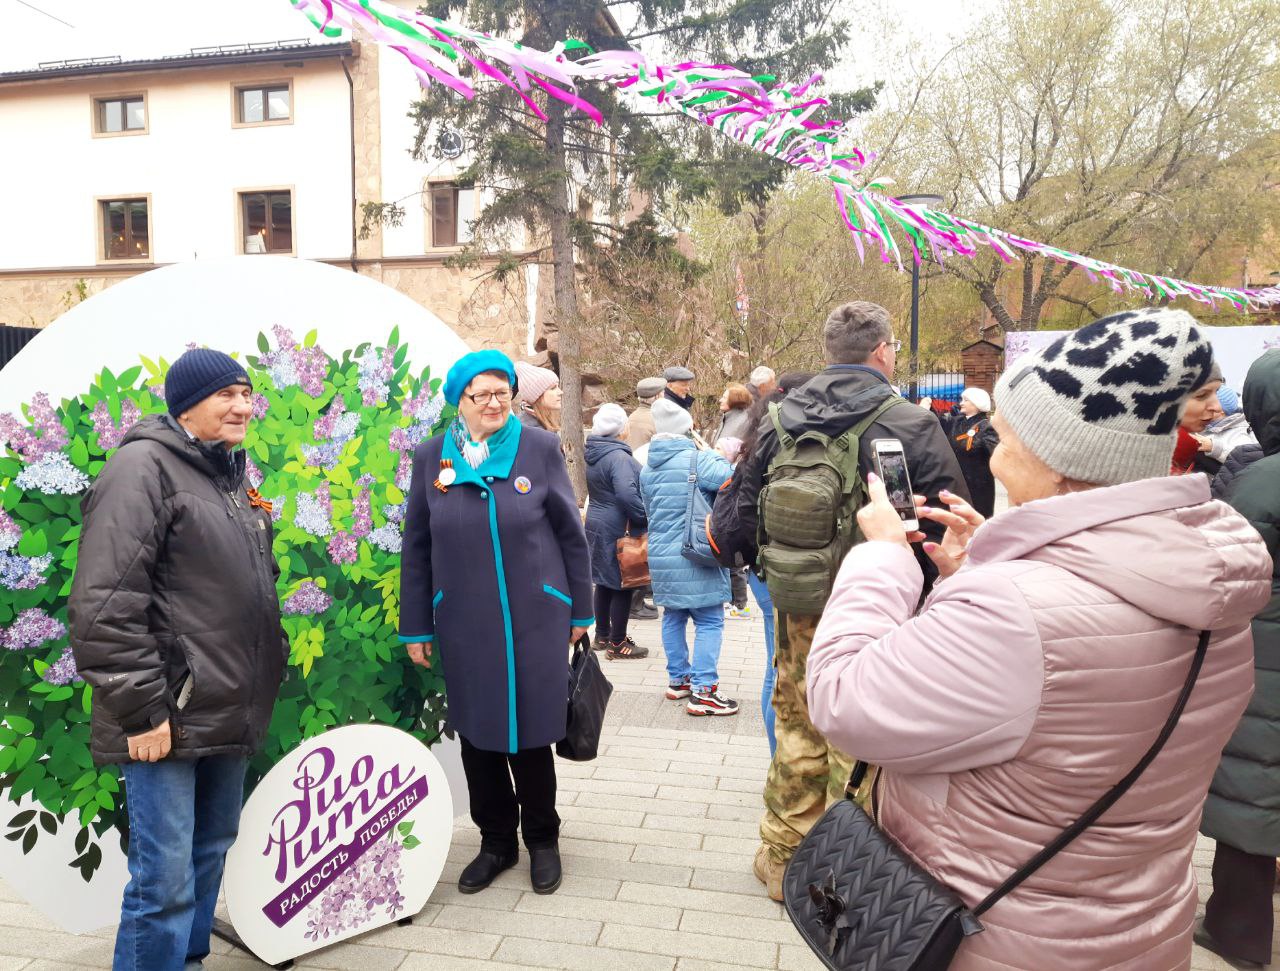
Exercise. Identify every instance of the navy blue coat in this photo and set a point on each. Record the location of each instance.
(494, 572)
(613, 486)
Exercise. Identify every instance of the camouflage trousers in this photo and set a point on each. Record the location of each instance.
(807, 774)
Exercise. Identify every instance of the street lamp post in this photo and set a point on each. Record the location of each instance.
(913, 389)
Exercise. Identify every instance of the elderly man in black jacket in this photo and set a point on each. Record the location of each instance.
(806, 773)
(176, 625)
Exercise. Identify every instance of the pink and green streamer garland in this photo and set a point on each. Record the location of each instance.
(774, 119)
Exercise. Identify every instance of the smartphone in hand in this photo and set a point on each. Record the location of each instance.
(891, 463)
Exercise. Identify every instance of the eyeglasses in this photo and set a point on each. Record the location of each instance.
(483, 398)
(895, 344)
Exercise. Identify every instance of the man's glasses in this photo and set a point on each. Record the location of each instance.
(483, 398)
(895, 344)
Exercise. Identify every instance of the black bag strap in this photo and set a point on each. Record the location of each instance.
(1108, 799)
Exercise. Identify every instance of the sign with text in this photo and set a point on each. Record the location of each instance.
(349, 832)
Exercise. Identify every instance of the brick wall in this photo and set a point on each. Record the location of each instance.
(982, 363)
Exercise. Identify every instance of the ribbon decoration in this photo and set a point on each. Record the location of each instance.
(776, 120)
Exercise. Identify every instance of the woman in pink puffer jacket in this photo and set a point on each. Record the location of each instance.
(1038, 674)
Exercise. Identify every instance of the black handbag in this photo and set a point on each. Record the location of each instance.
(589, 692)
(862, 904)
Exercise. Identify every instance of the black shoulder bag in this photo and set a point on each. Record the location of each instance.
(862, 904)
(589, 692)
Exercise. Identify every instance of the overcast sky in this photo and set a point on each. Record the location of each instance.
(32, 31)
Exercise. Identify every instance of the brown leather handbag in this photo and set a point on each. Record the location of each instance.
(633, 560)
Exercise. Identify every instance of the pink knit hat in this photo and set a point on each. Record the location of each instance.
(533, 382)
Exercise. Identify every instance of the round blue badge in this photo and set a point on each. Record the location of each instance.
(523, 485)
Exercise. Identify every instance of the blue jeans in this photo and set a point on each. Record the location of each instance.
(761, 591)
(708, 632)
(183, 817)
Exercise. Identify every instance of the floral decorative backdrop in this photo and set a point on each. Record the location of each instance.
(330, 448)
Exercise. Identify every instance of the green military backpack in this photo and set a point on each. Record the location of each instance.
(808, 512)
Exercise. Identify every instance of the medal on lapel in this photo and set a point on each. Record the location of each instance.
(523, 485)
(447, 475)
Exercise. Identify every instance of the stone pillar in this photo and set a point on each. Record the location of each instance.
(982, 363)
(368, 144)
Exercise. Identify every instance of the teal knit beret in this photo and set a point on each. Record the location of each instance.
(468, 366)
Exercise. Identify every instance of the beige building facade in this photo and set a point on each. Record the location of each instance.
(125, 166)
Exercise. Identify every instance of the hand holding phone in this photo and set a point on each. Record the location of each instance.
(891, 463)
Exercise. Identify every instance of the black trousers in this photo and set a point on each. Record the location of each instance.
(498, 809)
(613, 611)
(1239, 912)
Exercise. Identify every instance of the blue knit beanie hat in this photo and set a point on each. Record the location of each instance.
(1229, 400)
(199, 373)
(469, 365)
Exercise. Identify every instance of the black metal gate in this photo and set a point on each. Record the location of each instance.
(940, 378)
(14, 339)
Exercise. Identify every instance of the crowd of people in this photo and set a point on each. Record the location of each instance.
(998, 672)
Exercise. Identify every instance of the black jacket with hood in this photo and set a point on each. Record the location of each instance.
(176, 580)
(831, 403)
(1243, 807)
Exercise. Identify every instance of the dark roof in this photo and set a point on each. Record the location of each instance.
(985, 340)
(286, 50)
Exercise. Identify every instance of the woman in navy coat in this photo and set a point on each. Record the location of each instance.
(613, 486)
(495, 577)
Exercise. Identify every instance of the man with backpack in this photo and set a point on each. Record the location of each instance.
(793, 507)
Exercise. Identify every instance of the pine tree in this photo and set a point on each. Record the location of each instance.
(528, 164)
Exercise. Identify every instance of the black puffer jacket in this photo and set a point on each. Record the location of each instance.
(1243, 807)
(833, 402)
(176, 578)
(1239, 460)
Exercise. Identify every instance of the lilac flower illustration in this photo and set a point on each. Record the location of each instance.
(362, 510)
(291, 364)
(334, 429)
(394, 511)
(308, 599)
(31, 628)
(252, 472)
(314, 511)
(387, 537)
(355, 897)
(343, 547)
(23, 572)
(10, 532)
(52, 474)
(63, 671)
(110, 435)
(377, 367)
(45, 437)
(260, 406)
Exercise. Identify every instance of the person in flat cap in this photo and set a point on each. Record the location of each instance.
(640, 422)
(678, 380)
(495, 579)
(175, 624)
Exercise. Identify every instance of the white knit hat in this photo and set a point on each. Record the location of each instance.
(669, 418)
(1101, 404)
(977, 397)
(609, 420)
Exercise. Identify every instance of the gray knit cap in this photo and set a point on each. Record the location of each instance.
(1101, 404)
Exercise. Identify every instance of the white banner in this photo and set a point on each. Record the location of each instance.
(349, 832)
(1234, 348)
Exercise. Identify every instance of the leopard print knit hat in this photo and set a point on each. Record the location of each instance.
(1101, 404)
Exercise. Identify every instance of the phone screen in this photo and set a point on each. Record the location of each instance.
(893, 470)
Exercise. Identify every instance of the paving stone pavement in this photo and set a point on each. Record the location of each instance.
(658, 838)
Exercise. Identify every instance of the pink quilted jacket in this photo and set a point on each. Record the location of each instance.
(1026, 686)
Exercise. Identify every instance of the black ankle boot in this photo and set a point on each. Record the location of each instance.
(484, 869)
(544, 869)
